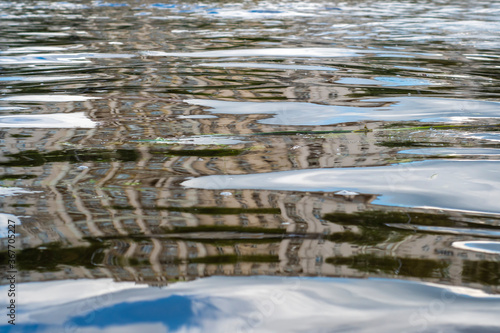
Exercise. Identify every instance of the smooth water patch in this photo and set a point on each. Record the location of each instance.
(7, 220)
(412, 68)
(267, 52)
(12, 108)
(56, 294)
(62, 58)
(10, 191)
(43, 78)
(495, 137)
(245, 11)
(257, 304)
(385, 81)
(452, 151)
(479, 246)
(31, 49)
(54, 120)
(288, 52)
(267, 66)
(197, 116)
(44, 34)
(48, 98)
(495, 233)
(425, 109)
(453, 185)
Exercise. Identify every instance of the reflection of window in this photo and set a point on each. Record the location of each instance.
(146, 248)
(100, 171)
(153, 222)
(290, 209)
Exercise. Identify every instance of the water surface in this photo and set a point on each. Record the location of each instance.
(343, 154)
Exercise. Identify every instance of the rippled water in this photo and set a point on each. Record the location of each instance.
(308, 163)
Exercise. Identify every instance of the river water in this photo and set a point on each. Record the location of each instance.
(259, 166)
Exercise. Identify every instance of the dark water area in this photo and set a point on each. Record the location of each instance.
(255, 166)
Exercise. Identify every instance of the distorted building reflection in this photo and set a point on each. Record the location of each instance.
(125, 192)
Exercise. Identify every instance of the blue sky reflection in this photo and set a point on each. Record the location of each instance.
(254, 304)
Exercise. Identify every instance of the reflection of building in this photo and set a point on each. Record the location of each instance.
(126, 186)
(158, 259)
(86, 194)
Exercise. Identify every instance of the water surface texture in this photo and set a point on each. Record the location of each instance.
(255, 166)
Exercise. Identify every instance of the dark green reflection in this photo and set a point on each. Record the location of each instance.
(31, 158)
(227, 228)
(233, 258)
(380, 218)
(421, 268)
(484, 272)
(16, 177)
(367, 236)
(201, 152)
(20, 136)
(48, 257)
(411, 143)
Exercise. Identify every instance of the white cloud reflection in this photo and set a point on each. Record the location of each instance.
(427, 109)
(478, 246)
(254, 304)
(454, 185)
(48, 98)
(53, 120)
(5, 221)
(10, 191)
